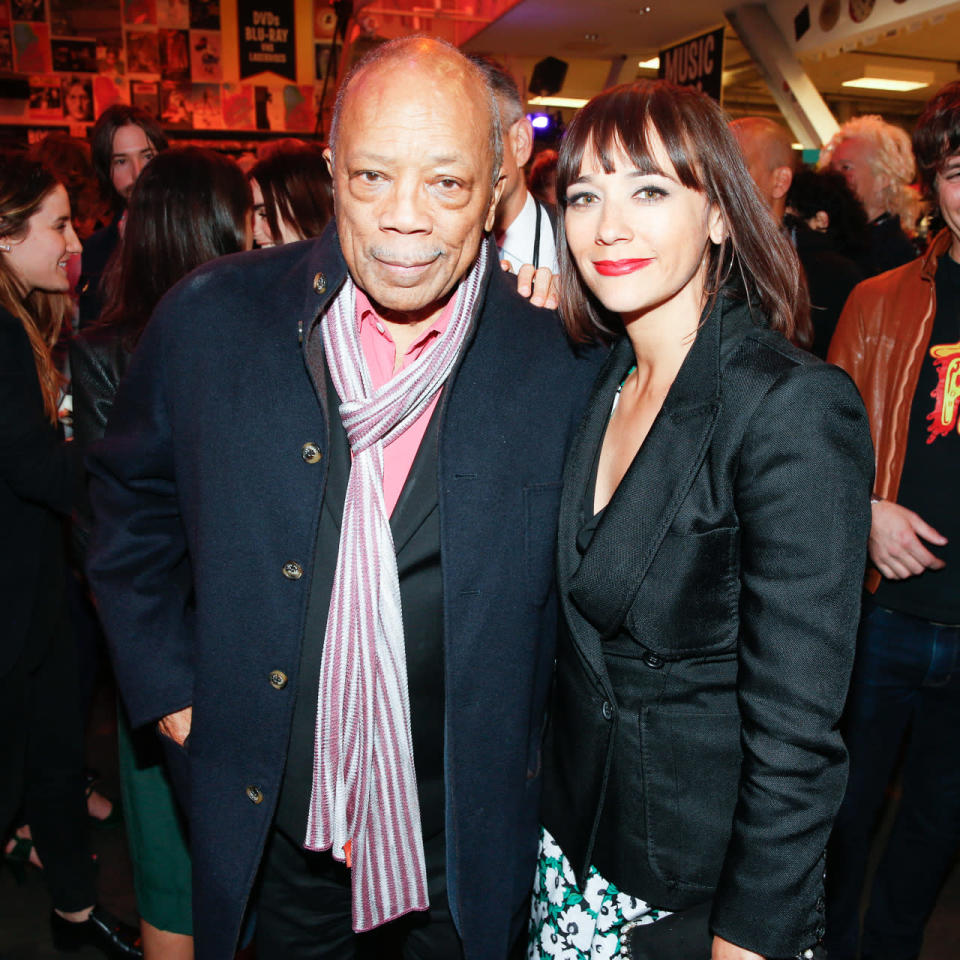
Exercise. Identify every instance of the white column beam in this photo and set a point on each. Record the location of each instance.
(806, 113)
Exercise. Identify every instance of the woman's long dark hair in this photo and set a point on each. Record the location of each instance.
(296, 187)
(706, 158)
(24, 185)
(188, 206)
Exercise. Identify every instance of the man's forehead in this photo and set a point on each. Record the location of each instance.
(385, 113)
(437, 90)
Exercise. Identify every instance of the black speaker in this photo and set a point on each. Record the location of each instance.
(548, 77)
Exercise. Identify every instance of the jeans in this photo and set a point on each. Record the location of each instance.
(906, 681)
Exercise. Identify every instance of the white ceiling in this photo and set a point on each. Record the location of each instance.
(589, 34)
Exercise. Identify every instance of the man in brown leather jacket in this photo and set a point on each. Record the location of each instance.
(899, 339)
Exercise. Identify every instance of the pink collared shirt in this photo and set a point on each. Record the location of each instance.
(380, 352)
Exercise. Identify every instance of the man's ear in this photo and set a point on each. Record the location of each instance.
(328, 156)
(782, 179)
(521, 135)
(494, 200)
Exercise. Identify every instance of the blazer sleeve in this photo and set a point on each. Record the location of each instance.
(94, 385)
(138, 563)
(34, 462)
(802, 494)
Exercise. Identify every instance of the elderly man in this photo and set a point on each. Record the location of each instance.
(876, 159)
(327, 500)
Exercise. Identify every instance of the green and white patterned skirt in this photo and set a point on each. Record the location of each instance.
(573, 924)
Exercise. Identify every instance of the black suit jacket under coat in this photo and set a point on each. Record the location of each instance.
(693, 747)
(203, 493)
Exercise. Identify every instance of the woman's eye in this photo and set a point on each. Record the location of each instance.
(650, 193)
(581, 200)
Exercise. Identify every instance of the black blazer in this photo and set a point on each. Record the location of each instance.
(37, 477)
(204, 493)
(693, 748)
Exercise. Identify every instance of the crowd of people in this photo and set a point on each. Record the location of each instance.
(446, 624)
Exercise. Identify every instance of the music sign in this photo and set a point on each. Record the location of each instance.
(696, 63)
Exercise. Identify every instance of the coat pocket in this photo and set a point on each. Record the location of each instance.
(691, 778)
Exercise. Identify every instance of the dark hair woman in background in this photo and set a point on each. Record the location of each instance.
(292, 194)
(713, 528)
(41, 741)
(187, 207)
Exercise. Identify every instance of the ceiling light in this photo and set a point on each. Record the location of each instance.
(540, 121)
(652, 64)
(882, 77)
(573, 102)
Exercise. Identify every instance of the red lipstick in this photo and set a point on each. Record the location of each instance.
(618, 268)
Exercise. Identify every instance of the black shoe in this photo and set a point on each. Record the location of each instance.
(101, 930)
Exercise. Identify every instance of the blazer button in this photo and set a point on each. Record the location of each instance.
(278, 679)
(653, 660)
(254, 794)
(310, 452)
(320, 283)
(820, 905)
(292, 570)
(607, 710)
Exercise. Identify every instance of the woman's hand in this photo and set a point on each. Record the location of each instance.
(539, 286)
(724, 950)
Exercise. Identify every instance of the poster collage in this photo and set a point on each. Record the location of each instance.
(162, 55)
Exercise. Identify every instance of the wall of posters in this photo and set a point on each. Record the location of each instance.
(194, 64)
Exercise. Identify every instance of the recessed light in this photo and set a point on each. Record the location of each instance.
(884, 83)
(652, 64)
(882, 77)
(572, 102)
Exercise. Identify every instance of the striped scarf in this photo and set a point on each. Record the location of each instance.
(364, 806)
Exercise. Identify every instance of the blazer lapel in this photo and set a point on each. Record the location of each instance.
(633, 526)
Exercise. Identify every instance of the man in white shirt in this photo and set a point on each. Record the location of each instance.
(524, 228)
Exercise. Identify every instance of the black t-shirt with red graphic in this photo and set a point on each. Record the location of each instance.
(930, 485)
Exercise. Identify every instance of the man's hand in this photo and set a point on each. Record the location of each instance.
(539, 286)
(177, 725)
(895, 545)
(724, 950)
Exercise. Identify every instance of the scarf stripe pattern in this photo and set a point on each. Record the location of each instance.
(363, 805)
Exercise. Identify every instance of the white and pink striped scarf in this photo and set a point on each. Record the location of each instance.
(364, 806)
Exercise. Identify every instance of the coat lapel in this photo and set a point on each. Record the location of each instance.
(602, 584)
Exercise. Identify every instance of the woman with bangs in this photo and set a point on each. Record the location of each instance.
(713, 530)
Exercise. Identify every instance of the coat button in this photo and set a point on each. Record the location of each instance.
(607, 710)
(292, 570)
(320, 283)
(254, 794)
(310, 452)
(653, 660)
(820, 905)
(278, 679)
